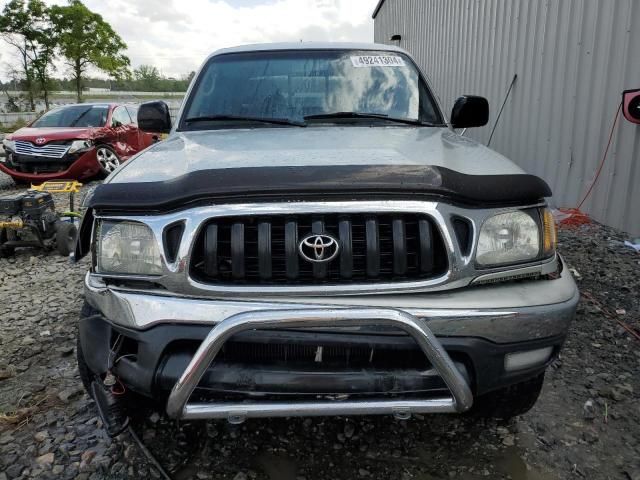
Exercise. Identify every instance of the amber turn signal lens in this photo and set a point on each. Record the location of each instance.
(549, 231)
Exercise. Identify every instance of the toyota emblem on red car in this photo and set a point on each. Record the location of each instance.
(41, 140)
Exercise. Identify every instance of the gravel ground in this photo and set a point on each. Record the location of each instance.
(585, 425)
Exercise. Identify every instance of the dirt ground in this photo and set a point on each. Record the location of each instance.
(585, 425)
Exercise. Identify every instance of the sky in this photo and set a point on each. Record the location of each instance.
(176, 35)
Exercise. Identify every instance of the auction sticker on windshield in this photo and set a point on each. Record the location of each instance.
(377, 61)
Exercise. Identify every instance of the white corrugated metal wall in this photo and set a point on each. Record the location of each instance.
(573, 59)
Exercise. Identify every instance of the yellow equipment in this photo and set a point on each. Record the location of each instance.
(15, 224)
(61, 186)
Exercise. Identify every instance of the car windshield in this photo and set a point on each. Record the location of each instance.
(309, 86)
(74, 116)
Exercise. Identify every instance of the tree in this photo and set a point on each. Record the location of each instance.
(43, 52)
(14, 103)
(148, 78)
(189, 77)
(85, 39)
(27, 27)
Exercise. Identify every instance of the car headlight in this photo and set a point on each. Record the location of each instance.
(9, 145)
(127, 248)
(80, 146)
(516, 237)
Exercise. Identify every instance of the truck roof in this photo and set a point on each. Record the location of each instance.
(266, 47)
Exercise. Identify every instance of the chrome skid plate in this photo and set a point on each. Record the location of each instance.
(460, 400)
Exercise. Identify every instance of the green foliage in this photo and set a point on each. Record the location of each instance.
(164, 84)
(27, 27)
(39, 33)
(85, 39)
(12, 127)
(148, 77)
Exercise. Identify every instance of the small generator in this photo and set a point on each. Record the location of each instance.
(29, 219)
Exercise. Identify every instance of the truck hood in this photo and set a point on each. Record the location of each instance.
(30, 134)
(291, 163)
(187, 152)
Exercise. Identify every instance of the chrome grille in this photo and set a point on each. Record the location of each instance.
(255, 250)
(50, 150)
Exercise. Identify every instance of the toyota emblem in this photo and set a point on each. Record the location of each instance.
(41, 140)
(319, 248)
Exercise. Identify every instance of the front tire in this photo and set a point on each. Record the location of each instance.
(107, 159)
(510, 401)
(6, 236)
(86, 375)
(20, 182)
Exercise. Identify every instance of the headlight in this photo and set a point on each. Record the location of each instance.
(9, 145)
(80, 146)
(506, 238)
(128, 248)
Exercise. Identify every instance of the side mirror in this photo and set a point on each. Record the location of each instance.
(470, 111)
(631, 105)
(154, 117)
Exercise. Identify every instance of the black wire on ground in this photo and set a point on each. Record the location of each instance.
(149, 455)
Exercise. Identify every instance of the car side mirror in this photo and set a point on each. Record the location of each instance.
(631, 105)
(470, 111)
(154, 117)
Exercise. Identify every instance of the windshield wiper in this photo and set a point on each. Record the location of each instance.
(377, 116)
(84, 112)
(242, 118)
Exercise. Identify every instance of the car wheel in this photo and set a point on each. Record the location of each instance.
(108, 159)
(66, 234)
(20, 182)
(510, 401)
(5, 250)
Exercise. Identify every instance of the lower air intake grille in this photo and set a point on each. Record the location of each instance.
(261, 250)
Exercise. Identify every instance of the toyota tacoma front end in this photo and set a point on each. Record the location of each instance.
(314, 238)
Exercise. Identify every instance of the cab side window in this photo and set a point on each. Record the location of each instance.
(120, 117)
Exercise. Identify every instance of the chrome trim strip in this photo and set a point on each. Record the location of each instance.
(50, 151)
(239, 412)
(175, 276)
(528, 270)
(177, 406)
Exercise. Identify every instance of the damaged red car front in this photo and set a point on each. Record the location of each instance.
(74, 142)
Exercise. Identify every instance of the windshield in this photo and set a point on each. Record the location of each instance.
(292, 85)
(74, 116)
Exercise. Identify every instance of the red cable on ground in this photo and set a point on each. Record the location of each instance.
(604, 157)
(575, 216)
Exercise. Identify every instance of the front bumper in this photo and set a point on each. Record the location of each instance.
(83, 167)
(465, 335)
(499, 313)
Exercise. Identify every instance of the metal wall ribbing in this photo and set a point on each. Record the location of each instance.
(573, 58)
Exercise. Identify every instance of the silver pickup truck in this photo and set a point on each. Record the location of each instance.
(315, 237)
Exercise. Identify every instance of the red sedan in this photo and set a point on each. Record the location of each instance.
(74, 142)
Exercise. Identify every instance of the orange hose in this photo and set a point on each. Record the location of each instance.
(575, 217)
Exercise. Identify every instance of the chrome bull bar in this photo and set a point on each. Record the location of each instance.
(178, 407)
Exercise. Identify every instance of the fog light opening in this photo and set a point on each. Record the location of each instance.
(526, 359)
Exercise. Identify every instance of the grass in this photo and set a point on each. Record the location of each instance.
(16, 419)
